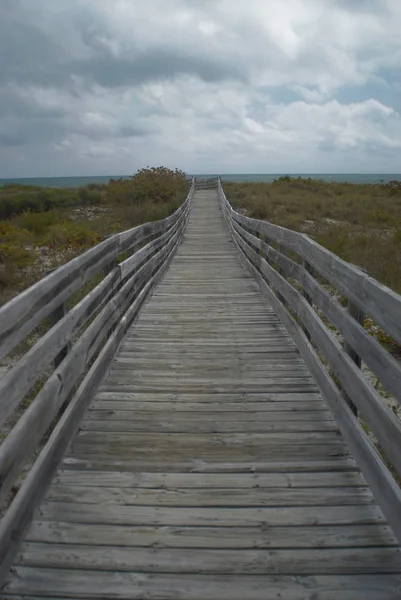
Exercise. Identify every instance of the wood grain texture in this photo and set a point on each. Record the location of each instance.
(207, 465)
(358, 340)
(113, 321)
(386, 490)
(373, 408)
(95, 584)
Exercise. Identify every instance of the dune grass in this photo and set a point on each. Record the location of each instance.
(359, 223)
(42, 228)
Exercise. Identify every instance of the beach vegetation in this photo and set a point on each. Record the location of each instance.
(41, 228)
(361, 223)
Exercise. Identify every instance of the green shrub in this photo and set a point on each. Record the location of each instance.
(16, 235)
(36, 223)
(18, 199)
(283, 179)
(88, 195)
(69, 234)
(14, 256)
(156, 184)
(381, 216)
(397, 237)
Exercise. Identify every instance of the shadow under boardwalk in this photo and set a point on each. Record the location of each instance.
(208, 466)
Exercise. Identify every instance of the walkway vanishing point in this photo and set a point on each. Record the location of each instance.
(210, 464)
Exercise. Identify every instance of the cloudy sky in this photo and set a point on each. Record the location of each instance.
(230, 86)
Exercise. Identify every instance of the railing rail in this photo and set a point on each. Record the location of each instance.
(207, 184)
(290, 268)
(87, 336)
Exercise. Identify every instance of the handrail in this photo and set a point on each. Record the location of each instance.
(207, 184)
(292, 285)
(72, 355)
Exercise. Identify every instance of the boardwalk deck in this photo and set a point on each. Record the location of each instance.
(208, 466)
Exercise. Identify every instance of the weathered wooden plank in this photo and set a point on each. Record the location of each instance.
(216, 386)
(20, 379)
(297, 369)
(206, 516)
(386, 367)
(224, 497)
(21, 314)
(18, 516)
(38, 417)
(205, 481)
(384, 488)
(68, 583)
(20, 513)
(208, 442)
(133, 262)
(172, 502)
(149, 454)
(206, 411)
(321, 561)
(337, 461)
(380, 418)
(348, 536)
(263, 381)
(210, 426)
(308, 411)
(256, 400)
(256, 346)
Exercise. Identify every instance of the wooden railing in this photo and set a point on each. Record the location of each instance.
(207, 184)
(71, 356)
(297, 274)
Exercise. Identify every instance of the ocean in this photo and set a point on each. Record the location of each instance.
(84, 180)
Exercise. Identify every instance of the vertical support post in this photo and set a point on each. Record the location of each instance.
(263, 237)
(359, 316)
(266, 240)
(109, 267)
(282, 250)
(309, 269)
(258, 235)
(56, 316)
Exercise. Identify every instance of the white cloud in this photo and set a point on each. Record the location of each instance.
(114, 85)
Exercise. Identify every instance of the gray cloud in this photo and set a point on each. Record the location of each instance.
(32, 55)
(28, 55)
(159, 64)
(206, 85)
(11, 139)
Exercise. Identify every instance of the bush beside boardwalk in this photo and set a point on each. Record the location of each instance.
(42, 228)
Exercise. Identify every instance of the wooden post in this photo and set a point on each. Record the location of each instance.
(261, 251)
(109, 267)
(259, 236)
(56, 316)
(282, 272)
(309, 269)
(359, 316)
(265, 239)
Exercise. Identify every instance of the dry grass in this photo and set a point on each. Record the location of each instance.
(359, 223)
(34, 242)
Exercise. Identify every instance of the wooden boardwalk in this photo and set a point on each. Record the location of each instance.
(208, 466)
